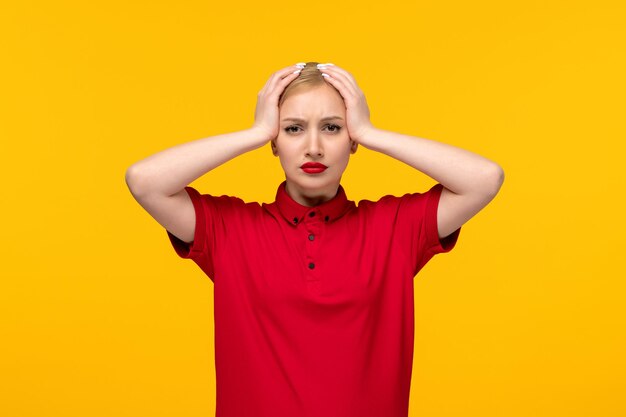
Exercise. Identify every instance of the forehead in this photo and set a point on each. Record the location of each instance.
(311, 103)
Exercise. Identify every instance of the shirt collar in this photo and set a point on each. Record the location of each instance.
(328, 211)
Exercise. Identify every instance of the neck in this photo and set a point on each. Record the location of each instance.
(309, 197)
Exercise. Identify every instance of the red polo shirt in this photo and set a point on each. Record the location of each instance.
(314, 305)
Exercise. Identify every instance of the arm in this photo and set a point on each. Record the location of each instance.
(158, 182)
(171, 170)
(470, 181)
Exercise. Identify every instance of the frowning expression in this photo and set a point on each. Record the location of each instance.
(313, 130)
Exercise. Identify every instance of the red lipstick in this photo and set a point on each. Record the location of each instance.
(313, 167)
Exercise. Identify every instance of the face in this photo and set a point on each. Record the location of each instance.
(313, 129)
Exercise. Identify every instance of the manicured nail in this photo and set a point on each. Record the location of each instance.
(295, 72)
(325, 75)
(301, 64)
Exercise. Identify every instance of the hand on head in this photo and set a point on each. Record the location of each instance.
(266, 113)
(357, 112)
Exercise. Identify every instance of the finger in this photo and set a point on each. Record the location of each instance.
(334, 69)
(277, 76)
(280, 73)
(346, 91)
(341, 76)
(280, 85)
(340, 82)
(272, 77)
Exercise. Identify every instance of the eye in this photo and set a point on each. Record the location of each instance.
(335, 127)
(294, 129)
(288, 129)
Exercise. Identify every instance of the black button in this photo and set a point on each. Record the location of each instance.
(326, 218)
(311, 214)
(295, 220)
(311, 236)
(311, 265)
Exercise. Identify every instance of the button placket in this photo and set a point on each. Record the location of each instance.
(312, 222)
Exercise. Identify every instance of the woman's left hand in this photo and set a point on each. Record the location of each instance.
(357, 111)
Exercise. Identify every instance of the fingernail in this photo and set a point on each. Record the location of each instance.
(301, 63)
(295, 72)
(325, 75)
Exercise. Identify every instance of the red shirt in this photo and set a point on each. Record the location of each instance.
(314, 305)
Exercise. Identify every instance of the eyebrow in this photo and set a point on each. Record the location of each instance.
(295, 119)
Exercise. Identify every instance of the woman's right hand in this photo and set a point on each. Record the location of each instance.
(266, 112)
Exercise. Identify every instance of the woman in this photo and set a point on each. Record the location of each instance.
(313, 295)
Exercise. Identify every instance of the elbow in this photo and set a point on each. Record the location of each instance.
(495, 179)
(133, 180)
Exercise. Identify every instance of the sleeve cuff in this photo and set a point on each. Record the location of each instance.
(194, 249)
(437, 245)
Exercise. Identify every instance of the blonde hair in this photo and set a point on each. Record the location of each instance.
(309, 78)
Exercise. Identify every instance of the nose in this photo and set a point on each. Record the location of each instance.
(314, 147)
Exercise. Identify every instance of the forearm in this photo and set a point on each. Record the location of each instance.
(459, 170)
(169, 171)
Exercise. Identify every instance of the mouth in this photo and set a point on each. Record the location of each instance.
(313, 167)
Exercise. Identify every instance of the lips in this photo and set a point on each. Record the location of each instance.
(313, 165)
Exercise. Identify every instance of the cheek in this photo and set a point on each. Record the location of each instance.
(343, 149)
(287, 154)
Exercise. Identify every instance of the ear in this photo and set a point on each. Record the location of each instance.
(274, 149)
(354, 146)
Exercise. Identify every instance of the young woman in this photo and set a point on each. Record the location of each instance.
(313, 294)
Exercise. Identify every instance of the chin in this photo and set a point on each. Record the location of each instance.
(304, 180)
(317, 183)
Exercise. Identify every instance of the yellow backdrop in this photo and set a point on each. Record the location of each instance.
(99, 317)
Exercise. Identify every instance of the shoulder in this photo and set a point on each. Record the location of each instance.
(394, 202)
(223, 204)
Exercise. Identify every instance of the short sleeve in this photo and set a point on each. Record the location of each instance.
(417, 218)
(202, 249)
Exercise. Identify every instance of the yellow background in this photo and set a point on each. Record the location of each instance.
(99, 317)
